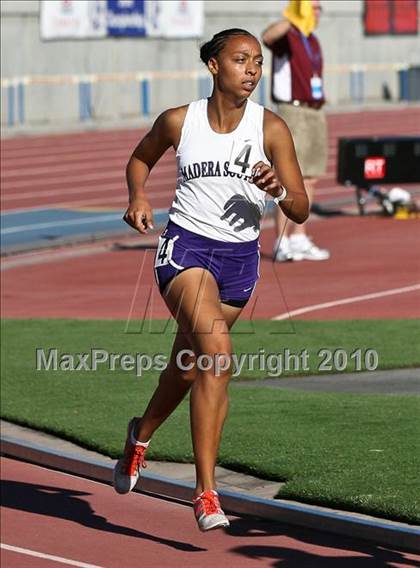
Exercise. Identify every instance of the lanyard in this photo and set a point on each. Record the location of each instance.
(315, 58)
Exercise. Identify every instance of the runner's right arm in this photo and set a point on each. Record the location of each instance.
(165, 133)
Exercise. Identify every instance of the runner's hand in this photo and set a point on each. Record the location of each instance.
(265, 179)
(139, 216)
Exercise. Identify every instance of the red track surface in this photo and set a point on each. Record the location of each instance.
(86, 170)
(76, 519)
(368, 256)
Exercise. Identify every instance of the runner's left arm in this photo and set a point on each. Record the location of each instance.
(284, 171)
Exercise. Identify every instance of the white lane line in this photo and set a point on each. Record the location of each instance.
(51, 256)
(74, 157)
(59, 181)
(99, 188)
(60, 559)
(102, 161)
(121, 201)
(157, 179)
(58, 149)
(102, 203)
(119, 158)
(57, 145)
(350, 300)
(110, 164)
(114, 173)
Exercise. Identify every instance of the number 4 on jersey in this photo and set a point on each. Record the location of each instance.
(241, 158)
(245, 153)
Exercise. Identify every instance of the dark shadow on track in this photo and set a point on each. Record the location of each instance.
(323, 211)
(133, 246)
(65, 504)
(284, 557)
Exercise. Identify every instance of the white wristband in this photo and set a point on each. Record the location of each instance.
(281, 197)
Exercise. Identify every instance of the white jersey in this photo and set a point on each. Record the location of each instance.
(214, 196)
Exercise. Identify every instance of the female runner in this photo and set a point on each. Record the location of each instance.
(231, 153)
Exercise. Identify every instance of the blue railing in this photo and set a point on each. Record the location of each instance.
(16, 89)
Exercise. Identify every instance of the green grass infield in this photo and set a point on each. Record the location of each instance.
(354, 452)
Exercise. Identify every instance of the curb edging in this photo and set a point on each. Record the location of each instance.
(378, 531)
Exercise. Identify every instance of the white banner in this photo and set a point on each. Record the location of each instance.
(175, 18)
(62, 19)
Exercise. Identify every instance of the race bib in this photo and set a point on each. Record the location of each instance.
(242, 157)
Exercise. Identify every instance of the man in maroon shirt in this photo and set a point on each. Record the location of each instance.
(297, 88)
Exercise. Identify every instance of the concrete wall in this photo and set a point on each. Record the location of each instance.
(23, 54)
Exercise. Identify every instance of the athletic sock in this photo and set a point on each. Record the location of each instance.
(144, 444)
(137, 442)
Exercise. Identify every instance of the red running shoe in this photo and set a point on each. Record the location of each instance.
(127, 469)
(208, 512)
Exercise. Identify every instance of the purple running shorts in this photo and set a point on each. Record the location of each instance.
(235, 266)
